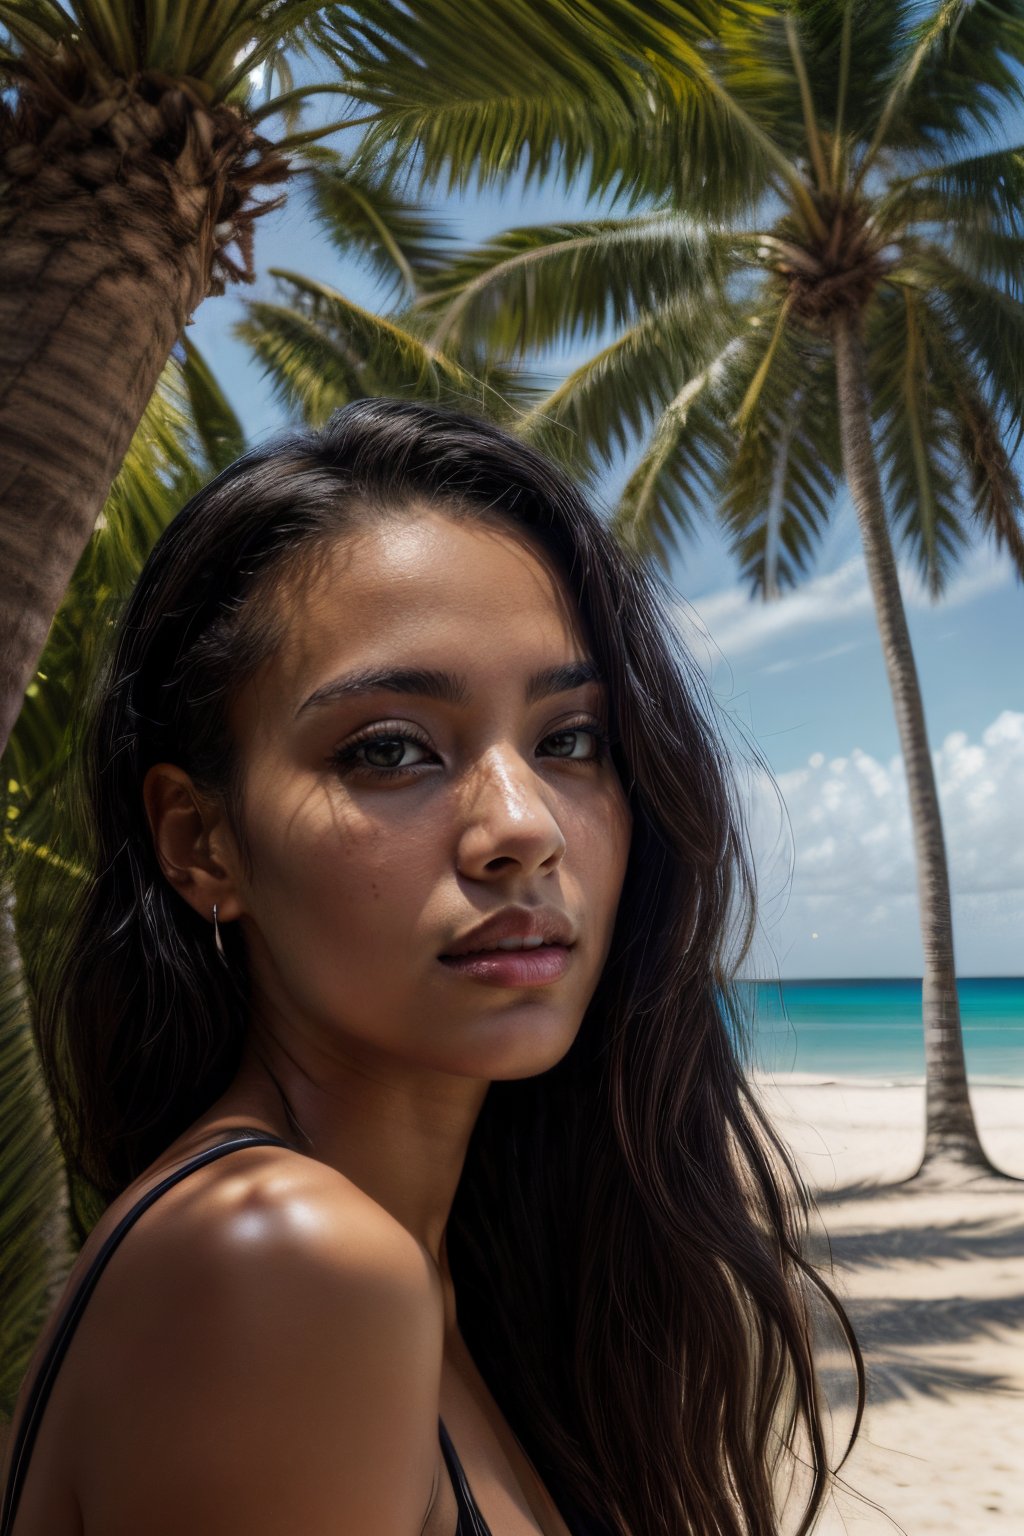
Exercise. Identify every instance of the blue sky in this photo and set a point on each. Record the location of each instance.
(800, 682)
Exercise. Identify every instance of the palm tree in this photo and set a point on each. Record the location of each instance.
(133, 148)
(820, 279)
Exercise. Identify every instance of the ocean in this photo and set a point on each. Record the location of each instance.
(872, 1028)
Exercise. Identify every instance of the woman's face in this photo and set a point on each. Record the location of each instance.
(423, 755)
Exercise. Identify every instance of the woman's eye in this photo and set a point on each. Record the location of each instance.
(390, 753)
(580, 743)
(396, 752)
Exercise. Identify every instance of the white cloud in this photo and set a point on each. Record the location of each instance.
(792, 662)
(844, 827)
(729, 624)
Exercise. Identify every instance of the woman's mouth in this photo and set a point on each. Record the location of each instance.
(513, 963)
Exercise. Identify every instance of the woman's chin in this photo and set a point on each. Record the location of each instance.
(523, 1041)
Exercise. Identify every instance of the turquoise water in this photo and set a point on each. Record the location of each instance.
(873, 1028)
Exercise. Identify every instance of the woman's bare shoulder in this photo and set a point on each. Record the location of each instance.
(266, 1356)
(263, 1211)
(277, 1198)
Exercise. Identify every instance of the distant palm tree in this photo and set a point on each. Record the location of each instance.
(825, 282)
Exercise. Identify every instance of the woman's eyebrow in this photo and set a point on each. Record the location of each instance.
(575, 674)
(445, 686)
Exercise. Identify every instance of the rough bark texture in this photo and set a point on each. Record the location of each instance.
(117, 202)
(951, 1136)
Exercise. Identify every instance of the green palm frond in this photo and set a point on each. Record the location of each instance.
(778, 488)
(851, 49)
(676, 478)
(587, 48)
(969, 209)
(997, 495)
(311, 370)
(621, 94)
(766, 348)
(986, 188)
(715, 158)
(994, 259)
(212, 419)
(606, 405)
(320, 351)
(988, 320)
(756, 65)
(362, 215)
(279, 82)
(532, 286)
(813, 128)
(502, 81)
(980, 436)
(465, 141)
(916, 436)
(959, 73)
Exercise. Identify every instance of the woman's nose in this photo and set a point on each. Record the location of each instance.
(508, 824)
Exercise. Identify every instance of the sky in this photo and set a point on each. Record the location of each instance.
(799, 687)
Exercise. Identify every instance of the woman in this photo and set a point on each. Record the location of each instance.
(396, 1027)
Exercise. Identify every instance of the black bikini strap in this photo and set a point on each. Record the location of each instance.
(475, 1525)
(47, 1372)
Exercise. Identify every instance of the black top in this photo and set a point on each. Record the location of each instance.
(471, 1522)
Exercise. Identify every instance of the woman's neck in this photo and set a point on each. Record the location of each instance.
(399, 1136)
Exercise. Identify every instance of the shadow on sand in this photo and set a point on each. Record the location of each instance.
(921, 1344)
(954, 1242)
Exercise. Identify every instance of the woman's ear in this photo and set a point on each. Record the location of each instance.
(193, 842)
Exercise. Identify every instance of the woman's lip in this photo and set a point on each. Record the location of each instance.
(513, 967)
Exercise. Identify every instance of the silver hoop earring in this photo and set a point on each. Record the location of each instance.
(217, 943)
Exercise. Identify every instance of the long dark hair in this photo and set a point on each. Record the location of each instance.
(626, 1239)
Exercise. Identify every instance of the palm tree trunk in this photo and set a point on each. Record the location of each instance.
(117, 208)
(35, 1241)
(951, 1136)
(84, 333)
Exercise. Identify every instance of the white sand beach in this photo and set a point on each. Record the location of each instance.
(934, 1283)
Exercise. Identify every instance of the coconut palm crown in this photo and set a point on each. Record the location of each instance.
(818, 278)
